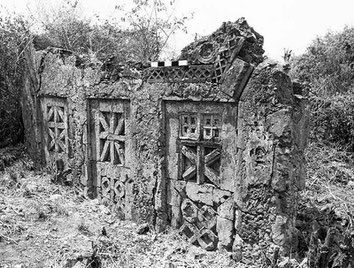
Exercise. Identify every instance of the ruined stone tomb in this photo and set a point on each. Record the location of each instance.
(210, 144)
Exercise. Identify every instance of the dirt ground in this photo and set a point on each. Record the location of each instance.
(43, 224)
(47, 225)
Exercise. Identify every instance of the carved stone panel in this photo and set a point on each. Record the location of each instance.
(55, 117)
(201, 155)
(110, 152)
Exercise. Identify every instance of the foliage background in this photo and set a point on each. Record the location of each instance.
(327, 69)
(14, 38)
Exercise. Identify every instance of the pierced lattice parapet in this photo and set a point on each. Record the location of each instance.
(220, 65)
(55, 128)
(185, 74)
(226, 55)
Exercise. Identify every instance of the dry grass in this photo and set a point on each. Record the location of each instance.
(325, 216)
(48, 225)
(330, 176)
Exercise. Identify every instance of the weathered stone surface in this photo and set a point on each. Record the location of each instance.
(258, 155)
(236, 78)
(219, 196)
(244, 40)
(221, 160)
(227, 209)
(272, 124)
(189, 211)
(200, 193)
(225, 230)
(206, 194)
(278, 230)
(175, 198)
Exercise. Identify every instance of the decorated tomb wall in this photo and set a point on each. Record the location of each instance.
(213, 147)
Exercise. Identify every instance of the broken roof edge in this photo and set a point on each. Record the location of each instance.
(208, 59)
(231, 37)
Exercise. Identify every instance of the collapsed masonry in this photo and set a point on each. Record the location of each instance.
(213, 148)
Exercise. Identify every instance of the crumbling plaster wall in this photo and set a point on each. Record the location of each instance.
(31, 113)
(271, 130)
(61, 78)
(272, 137)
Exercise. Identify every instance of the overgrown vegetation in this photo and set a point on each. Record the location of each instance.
(325, 217)
(327, 68)
(14, 38)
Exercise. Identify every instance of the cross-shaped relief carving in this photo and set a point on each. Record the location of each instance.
(56, 128)
(200, 148)
(110, 150)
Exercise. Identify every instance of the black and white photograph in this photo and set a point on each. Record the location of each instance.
(176, 134)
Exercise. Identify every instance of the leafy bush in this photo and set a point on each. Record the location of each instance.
(333, 121)
(14, 37)
(328, 68)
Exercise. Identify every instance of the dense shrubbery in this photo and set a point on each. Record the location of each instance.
(333, 120)
(328, 68)
(14, 38)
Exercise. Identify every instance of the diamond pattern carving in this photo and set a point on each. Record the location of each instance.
(199, 225)
(186, 74)
(109, 128)
(112, 190)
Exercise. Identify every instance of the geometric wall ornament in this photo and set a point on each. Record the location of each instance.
(112, 190)
(200, 163)
(199, 224)
(200, 148)
(110, 146)
(201, 157)
(211, 61)
(185, 74)
(111, 137)
(200, 126)
(55, 128)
